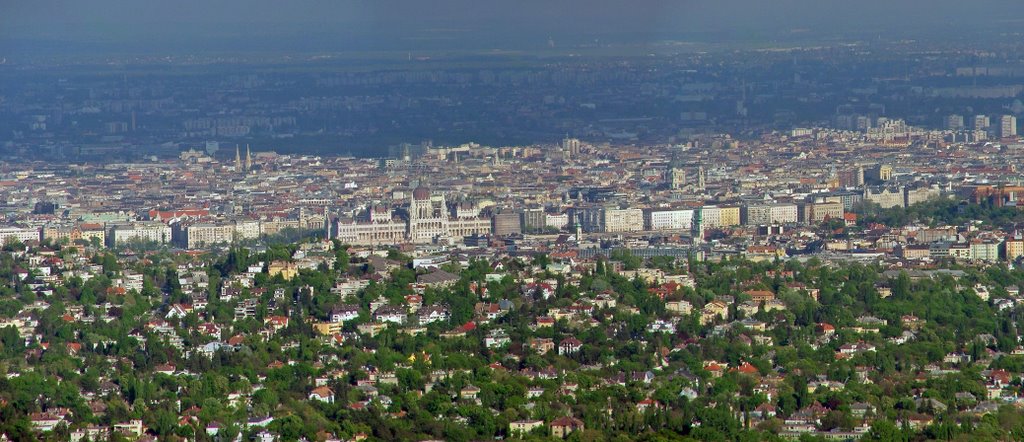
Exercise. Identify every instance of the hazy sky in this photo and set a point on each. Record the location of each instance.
(342, 24)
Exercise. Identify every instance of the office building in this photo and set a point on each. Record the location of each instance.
(1007, 126)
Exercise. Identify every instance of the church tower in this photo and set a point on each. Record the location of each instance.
(248, 158)
(327, 224)
(570, 147)
(676, 173)
(677, 178)
(697, 230)
(238, 160)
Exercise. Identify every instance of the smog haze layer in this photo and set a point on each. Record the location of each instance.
(208, 26)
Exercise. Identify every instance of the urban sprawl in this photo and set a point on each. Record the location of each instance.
(820, 283)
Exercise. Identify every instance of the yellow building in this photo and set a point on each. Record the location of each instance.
(820, 212)
(328, 328)
(713, 311)
(287, 270)
(1014, 248)
(521, 428)
(730, 216)
(88, 233)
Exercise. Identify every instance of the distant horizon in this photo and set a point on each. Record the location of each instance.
(193, 26)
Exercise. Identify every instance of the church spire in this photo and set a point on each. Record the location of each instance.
(248, 158)
(238, 159)
(327, 223)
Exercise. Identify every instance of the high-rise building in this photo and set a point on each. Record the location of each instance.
(534, 219)
(851, 177)
(955, 122)
(981, 122)
(756, 214)
(590, 218)
(862, 123)
(507, 223)
(1007, 126)
(571, 146)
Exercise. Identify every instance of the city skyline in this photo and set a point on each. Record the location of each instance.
(454, 220)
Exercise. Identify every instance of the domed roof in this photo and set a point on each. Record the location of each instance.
(421, 193)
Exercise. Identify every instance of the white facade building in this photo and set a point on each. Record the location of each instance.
(784, 214)
(143, 232)
(679, 219)
(711, 217)
(623, 220)
(22, 234)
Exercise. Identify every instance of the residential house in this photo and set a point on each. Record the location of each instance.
(322, 394)
(564, 426)
(569, 346)
(523, 427)
(390, 313)
(432, 314)
(344, 313)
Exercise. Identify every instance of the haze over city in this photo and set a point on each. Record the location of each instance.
(454, 220)
(346, 25)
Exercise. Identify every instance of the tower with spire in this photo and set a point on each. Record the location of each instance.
(327, 224)
(697, 230)
(238, 160)
(676, 174)
(570, 146)
(248, 158)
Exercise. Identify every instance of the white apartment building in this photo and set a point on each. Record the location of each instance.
(22, 234)
(985, 250)
(711, 217)
(623, 220)
(205, 234)
(247, 229)
(144, 232)
(558, 221)
(669, 219)
(784, 214)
